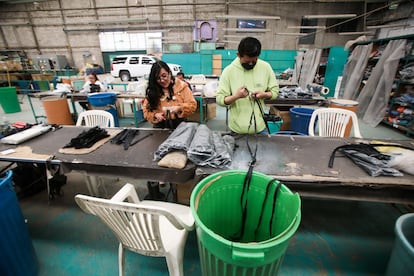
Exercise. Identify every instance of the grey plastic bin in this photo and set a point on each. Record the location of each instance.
(402, 257)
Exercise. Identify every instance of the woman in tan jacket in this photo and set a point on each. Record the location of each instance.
(168, 100)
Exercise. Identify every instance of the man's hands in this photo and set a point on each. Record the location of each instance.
(243, 92)
(261, 95)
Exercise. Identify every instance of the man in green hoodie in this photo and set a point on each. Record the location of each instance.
(245, 84)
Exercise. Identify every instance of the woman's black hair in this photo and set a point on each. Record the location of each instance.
(154, 90)
(250, 47)
(94, 74)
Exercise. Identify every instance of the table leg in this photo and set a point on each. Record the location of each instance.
(134, 109)
(33, 110)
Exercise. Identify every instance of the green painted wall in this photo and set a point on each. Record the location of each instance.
(202, 63)
(190, 62)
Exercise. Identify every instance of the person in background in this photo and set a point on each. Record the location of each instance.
(246, 81)
(92, 85)
(167, 103)
(168, 100)
(181, 76)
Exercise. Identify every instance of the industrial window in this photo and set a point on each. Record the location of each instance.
(251, 24)
(129, 41)
(310, 37)
(339, 26)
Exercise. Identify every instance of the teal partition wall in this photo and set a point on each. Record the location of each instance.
(334, 67)
(202, 62)
(190, 62)
(280, 60)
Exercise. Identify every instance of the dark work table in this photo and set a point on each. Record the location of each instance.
(300, 162)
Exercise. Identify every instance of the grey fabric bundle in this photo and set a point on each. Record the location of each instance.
(224, 150)
(201, 149)
(210, 148)
(179, 139)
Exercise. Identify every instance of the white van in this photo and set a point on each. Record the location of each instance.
(128, 67)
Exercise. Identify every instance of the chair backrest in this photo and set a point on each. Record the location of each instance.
(92, 118)
(332, 122)
(136, 225)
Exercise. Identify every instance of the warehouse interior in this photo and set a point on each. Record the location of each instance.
(325, 48)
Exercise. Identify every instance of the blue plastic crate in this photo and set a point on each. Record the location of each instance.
(102, 99)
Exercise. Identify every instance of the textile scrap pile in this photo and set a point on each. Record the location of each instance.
(379, 158)
(198, 144)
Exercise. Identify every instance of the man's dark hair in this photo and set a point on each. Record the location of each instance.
(181, 74)
(249, 46)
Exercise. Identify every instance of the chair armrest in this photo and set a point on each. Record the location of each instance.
(127, 192)
(181, 213)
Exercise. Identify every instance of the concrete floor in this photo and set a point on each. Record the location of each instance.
(334, 238)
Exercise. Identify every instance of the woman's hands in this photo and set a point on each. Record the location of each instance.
(159, 117)
(174, 112)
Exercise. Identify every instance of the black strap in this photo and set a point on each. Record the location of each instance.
(275, 194)
(261, 112)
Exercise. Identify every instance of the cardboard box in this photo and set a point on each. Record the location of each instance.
(195, 117)
(211, 110)
(285, 115)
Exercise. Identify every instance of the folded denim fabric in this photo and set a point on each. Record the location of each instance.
(179, 139)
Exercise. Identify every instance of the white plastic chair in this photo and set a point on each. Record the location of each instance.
(151, 228)
(92, 118)
(332, 122)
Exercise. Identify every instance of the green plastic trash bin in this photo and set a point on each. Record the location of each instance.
(216, 206)
(402, 257)
(8, 99)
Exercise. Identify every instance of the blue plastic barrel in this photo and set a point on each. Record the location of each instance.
(299, 119)
(114, 113)
(17, 253)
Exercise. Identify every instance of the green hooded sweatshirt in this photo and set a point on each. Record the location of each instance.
(260, 78)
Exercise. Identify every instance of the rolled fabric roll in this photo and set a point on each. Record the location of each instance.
(324, 90)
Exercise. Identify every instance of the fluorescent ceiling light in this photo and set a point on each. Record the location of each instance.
(257, 17)
(24, 1)
(316, 16)
(126, 20)
(16, 24)
(306, 27)
(230, 41)
(246, 30)
(355, 33)
(292, 34)
(114, 30)
(174, 42)
(170, 38)
(387, 26)
(234, 36)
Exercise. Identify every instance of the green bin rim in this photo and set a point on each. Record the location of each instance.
(282, 237)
